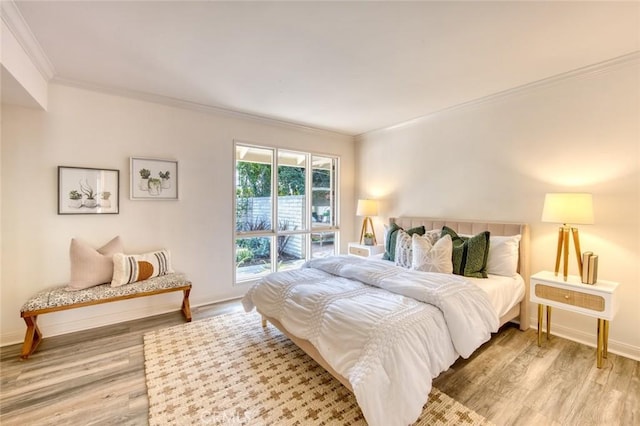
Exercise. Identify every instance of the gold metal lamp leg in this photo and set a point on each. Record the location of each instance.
(373, 231)
(559, 251)
(576, 243)
(565, 248)
(363, 230)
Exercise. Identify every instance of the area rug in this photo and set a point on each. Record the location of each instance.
(228, 370)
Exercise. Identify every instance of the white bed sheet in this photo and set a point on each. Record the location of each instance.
(504, 292)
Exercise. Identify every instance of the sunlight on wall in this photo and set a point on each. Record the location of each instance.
(592, 163)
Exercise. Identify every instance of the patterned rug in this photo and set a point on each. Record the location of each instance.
(228, 370)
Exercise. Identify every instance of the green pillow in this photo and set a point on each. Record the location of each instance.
(392, 237)
(469, 253)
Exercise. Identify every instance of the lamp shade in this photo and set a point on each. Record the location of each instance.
(367, 208)
(570, 208)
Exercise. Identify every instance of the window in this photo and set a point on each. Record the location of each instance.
(285, 209)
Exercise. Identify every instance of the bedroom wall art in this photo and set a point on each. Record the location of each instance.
(84, 190)
(153, 179)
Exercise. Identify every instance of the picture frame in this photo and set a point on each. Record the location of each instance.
(153, 179)
(84, 190)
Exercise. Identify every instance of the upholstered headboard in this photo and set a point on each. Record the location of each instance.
(474, 227)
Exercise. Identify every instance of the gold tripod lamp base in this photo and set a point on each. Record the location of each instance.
(364, 230)
(563, 249)
(367, 208)
(568, 207)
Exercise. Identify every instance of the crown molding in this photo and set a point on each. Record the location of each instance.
(15, 22)
(194, 106)
(583, 72)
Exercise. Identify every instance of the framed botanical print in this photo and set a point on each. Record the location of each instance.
(153, 179)
(83, 190)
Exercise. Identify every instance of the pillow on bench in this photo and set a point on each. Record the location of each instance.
(91, 267)
(129, 268)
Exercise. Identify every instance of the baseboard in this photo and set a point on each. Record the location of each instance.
(13, 337)
(589, 339)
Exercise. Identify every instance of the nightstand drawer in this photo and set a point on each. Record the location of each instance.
(570, 297)
(363, 250)
(358, 251)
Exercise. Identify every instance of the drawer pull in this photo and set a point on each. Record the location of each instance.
(566, 296)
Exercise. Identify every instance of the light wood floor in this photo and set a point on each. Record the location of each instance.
(97, 377)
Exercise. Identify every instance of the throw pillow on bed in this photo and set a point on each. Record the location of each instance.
(503, 255)
(91, 267)
(469, 253)
(404, 246)
(392, 237)
(430, 257)
(403, 249)
(129, 268)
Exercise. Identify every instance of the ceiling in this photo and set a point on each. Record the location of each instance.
(350, 67)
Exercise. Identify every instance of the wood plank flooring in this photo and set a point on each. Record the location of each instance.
(97, 377)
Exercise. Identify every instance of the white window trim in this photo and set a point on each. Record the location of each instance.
(333, 227)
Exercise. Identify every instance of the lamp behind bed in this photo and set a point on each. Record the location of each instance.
(367, 208)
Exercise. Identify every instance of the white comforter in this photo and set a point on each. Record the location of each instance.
(368, 321)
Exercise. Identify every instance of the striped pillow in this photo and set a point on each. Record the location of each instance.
(129, 268)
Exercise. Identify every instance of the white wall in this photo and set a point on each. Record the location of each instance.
(495, 160)
(91, 129)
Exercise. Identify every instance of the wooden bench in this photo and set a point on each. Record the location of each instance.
(58, 299)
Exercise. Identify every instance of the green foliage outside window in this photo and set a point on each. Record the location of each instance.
(254, 179)
(291, 181)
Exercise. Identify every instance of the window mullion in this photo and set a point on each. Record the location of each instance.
(308, 199)
(274, 209)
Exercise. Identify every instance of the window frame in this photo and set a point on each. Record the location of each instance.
(274, 232)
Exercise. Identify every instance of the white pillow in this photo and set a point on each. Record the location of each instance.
(403, 249)
(430, 257)
(503, 255)
(433, 235)
(404, 246)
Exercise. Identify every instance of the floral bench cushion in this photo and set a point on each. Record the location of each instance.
(57, 297)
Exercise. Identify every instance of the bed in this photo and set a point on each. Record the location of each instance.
(439, 318)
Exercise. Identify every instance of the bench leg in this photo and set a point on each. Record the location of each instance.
(32, 338)
(186, 307)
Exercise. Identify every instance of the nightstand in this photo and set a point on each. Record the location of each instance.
(356, 249)
(595, 300)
